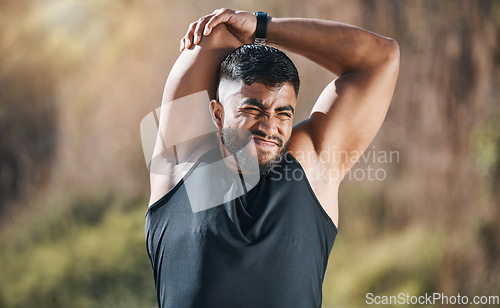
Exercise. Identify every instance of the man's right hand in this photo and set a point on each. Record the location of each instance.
(241, 24)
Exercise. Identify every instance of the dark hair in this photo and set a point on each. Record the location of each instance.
(258, 63)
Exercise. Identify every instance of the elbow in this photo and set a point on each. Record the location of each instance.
(220, 37)
(383, 55)
(394, 49)
(388, 57)
(392, 52)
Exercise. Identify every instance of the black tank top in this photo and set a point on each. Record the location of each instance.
(268, 247)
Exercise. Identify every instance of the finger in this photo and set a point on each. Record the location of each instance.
(188, 38)
(181, 47)
(221, 17)
(199, 28)
(210, 25)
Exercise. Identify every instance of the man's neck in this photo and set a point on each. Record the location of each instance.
(232, 162)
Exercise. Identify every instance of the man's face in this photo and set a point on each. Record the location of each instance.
(256, 111)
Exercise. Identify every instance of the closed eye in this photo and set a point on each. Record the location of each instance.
(251, 110)
(284, 115)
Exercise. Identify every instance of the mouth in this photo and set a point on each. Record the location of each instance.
(265, 143)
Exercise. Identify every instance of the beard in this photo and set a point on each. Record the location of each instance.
(239, 143)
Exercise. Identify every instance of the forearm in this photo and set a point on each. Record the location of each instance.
(338, 47)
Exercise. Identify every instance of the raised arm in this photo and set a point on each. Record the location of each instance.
(184, 120)
(351, 109)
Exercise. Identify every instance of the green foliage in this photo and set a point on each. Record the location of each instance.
(485, 144)
(398, 262)
(80, 261)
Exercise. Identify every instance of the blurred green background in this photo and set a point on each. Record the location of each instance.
(76, 78)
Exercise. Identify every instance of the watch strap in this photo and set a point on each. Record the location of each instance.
(260, 30)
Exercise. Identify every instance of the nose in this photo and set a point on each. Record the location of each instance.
(268, 125)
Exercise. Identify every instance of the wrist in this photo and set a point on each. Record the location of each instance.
(276, 33)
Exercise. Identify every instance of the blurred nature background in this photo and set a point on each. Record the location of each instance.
(77, 77)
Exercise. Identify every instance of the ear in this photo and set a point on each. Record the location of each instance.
(217, 113)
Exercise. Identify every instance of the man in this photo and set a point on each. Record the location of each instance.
(245, 214)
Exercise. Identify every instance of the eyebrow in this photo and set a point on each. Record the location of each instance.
(258, 103)
(285, 108)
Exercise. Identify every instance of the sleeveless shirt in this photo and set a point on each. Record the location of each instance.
(267, 247)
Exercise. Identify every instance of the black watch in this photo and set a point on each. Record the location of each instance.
(260, 30)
